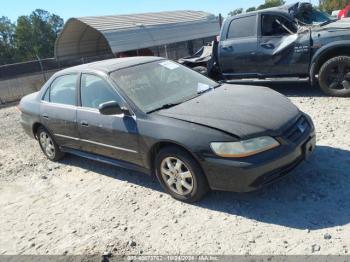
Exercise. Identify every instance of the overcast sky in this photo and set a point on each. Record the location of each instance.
(77, 8)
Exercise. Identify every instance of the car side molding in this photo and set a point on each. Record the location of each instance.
(106, 160)
(97, 143)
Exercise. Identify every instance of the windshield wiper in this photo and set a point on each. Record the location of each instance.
(205, 90)
(165, 106)
(208, 89)
(328, 22)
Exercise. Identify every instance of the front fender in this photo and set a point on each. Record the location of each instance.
(322, 55)
(326, 48)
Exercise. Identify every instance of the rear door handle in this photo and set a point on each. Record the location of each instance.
(45, 116)
(84, 123)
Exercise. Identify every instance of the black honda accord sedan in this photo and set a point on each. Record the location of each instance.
(161, 118)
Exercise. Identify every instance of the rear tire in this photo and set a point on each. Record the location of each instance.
(201, 69)
(180, 175)
(334, 76)
(48, 145)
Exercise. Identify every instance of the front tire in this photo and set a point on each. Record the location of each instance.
(334, 76)
(180, 175)
(48, 145)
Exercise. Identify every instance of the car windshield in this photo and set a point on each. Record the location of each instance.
(314, 17)
(161, 84)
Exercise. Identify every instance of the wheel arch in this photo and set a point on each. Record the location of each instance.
(339, 48)
(166, 143)
(36, 126)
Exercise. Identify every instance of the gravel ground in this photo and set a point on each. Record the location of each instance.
(79, 206)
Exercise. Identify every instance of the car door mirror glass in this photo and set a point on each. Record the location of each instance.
(112, 108)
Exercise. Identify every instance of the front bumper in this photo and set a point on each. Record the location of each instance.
(252, 173)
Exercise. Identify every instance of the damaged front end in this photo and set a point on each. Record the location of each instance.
(305, 14)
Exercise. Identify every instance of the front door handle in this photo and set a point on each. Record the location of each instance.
(267, 45)
(228, 48)
(84, 123)
(45, 116)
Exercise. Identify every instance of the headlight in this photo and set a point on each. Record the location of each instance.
(244, 148)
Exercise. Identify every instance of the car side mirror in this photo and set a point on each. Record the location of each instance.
(112, 108)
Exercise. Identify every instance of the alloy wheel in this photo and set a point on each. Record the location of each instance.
(338, 76)
(47, 144)
(177, 176)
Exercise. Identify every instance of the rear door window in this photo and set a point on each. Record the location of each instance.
(62, 90)
(242, 27)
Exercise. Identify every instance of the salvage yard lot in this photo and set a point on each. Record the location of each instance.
(78, 206)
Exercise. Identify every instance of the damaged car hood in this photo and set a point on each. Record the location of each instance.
(303, 12)
(243, 111)
(338, 24)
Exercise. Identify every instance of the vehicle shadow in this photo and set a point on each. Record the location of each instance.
(314, 196)
(292, 89)
(119, 173)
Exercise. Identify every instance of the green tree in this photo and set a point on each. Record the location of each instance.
(7, 50)
(250, 9)
(236, 12)
(35, 34)
(332, 5)
(23, 39)
(271, 3)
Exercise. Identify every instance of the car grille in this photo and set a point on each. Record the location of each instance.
(296, 131)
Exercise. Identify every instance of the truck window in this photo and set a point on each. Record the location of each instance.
(275, 25)
(242, 27)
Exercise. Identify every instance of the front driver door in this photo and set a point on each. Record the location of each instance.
(114, 136)
(282, 51)
(237, 49)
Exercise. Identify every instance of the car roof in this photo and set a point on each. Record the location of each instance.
(111, 65)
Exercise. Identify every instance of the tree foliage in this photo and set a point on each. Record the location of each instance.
(6, 40)
(271, 3)
(267, 4)
(250, 9)
(31, 37)
(236, 12)
(332, 5)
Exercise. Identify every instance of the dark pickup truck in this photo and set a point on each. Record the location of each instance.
(293, 41)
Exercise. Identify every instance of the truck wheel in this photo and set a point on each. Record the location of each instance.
(334, 76)
(201, 69)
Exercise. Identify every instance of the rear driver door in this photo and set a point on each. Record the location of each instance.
(238, 47)
(59, 112)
